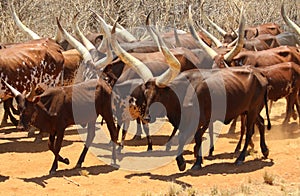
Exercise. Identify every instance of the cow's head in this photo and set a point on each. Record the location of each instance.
(141, 99)
(220, 60)
(27, 105)
(145, 94)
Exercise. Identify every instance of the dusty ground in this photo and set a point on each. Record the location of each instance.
(24, 166)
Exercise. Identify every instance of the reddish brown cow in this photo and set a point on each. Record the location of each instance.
(267, 57)
(27, 64)
(283, 81)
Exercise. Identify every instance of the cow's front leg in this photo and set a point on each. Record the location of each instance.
(147, 132)
(89, 140)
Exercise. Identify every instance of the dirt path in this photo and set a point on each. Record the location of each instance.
(24, 166)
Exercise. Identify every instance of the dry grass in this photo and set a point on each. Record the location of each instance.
(40, 15)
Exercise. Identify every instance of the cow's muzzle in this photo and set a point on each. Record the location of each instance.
(147, 118)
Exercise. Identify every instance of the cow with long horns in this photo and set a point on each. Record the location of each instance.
(163, 89)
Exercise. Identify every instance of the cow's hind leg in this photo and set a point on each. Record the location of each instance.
(291, 99)
(198, 151)
(261, 127)
(243, 129)
(168, 146)
(250, 130)
(90, 137)
(113, 133)
(211, 140)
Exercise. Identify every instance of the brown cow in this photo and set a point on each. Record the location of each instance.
(25, 65)
(267, 57)
(251, 98)
(283, 81)
(59, 107)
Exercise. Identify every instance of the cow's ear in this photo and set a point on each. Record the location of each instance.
(36, 99)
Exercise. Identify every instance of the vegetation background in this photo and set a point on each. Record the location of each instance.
(39, 15)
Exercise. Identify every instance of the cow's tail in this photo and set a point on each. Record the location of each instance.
(267, 110)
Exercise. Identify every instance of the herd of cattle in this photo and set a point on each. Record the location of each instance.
(58, 82)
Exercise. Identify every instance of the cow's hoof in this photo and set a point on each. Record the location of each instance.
(66, 161)
(149, 148)
(15, 123)
(78, 165)
(196, 167)
(266, 153)
(52, 172)
(237, 151)
(30, 134)
(137, 137)
(239, 162)
(182, 167)
(168, 147)
(38, 140)
(294, 115)
(181, 163)
(119, 149)
(210, 157)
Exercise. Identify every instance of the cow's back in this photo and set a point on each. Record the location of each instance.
(27, 64)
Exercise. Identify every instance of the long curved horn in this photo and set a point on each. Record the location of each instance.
(128, 36)
(100, 64)
(221, 31)
(58, 35)
(240, 42)
(199, 41)
(104, 25)
(114, 21)
(178, 43)
(18, 22)
(142, 70)
(75, 43)
(148, 28)
(14, 91)
(288, 21)
(174, 64)
(77, 31)
(217, 42)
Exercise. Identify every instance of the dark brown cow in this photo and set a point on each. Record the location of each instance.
(27, 64)
(251, 99)
(59, 107)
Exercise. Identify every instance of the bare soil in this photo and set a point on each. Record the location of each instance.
(25, 165)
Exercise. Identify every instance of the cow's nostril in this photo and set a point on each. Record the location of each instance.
(147, 118)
